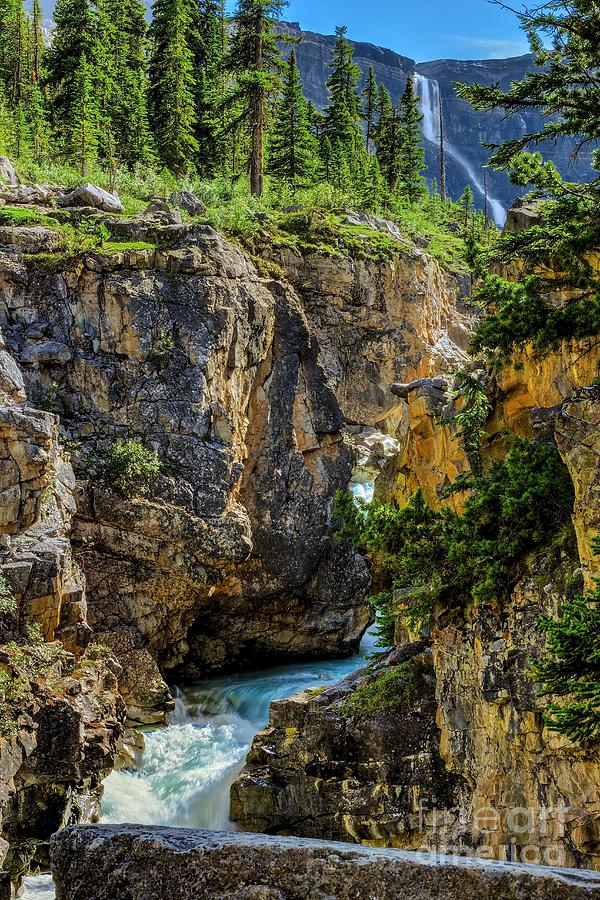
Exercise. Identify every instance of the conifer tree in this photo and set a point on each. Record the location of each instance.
(570, 667)
(564, 92)
(172, 85)
(13, 48)
(35, 101)
(210, 87)
(412, 156)
(75, 34)
(387, 139)
(6, 124)
(293, 148)
(467, 204)
(83, 122)
(343, 115)
(372, 187)
(255, 59)
(370, 101)
(126, 80)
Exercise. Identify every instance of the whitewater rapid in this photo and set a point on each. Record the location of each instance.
(187, 769)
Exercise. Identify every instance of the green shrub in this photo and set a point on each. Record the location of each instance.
(9, 610)
(422, 557)
(48, 398)
(570, 668)
(386, 691)
(162, 347)
(130, 468)
(472, 417)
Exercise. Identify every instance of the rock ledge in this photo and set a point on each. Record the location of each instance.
(100, 862)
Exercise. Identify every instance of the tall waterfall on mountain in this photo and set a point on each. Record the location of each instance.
(428, 91)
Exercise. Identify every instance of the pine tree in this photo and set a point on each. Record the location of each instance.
(564, 91)
(467, 204)
(412, 156)
(76, 34)
(293, 148)
(255, 59)
(372, 188)
(13, 48)
(35, 100)
(172, 84)
(83, 123)
(210, 87)
(126, 80)
(370, 101)
(387, 137)
(442, 149)
(343, 115)
(7, 127)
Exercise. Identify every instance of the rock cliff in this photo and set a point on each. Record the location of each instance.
(245, 387)
(458, 759)
(61, 717)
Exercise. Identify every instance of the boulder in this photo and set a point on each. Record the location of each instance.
(376, 223)
(188, 201)
(523, 214)
(8, 173)
(90, 195)
(50, 352)
(42, 194)
(30, 240)
(100, 862)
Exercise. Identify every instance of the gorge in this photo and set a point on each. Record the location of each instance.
(299, 460)
(351, 329)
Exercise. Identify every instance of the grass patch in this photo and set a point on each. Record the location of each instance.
(26, 215)
(400, 685)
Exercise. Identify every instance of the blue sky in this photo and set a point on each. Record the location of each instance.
(421, 29)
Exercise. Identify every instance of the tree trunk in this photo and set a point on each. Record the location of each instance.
(442, 152)
(256, 159)
(258, 127)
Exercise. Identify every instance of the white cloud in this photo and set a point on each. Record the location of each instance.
(492, 48)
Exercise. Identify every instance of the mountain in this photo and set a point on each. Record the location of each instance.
(466, 130)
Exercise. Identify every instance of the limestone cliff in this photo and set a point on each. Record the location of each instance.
(61, 718)
(246, 387)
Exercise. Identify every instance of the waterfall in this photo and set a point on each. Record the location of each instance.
(428, 92)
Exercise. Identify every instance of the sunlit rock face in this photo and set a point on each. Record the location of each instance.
(500, 784)
(61, 717)
(250, 390)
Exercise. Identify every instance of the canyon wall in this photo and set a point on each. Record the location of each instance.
(61, 716)
(248, 389)
(457, 758)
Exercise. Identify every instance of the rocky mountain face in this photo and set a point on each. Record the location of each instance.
(61, 716)
(467, 131)
(459, 759)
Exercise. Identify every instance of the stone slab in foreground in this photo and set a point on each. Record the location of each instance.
(104, 862)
